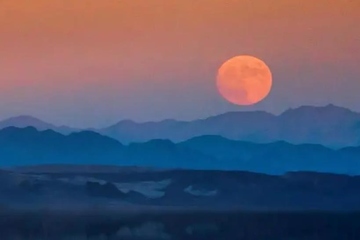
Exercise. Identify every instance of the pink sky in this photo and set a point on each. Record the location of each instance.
(92, 63)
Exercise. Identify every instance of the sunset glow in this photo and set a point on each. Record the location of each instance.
(68, 61)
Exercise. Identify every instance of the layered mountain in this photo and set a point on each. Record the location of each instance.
(29, 121)
(28, 146)
(233, 125)
(329, 125)
(275, 157)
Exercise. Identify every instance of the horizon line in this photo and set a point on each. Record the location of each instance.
(172, 119)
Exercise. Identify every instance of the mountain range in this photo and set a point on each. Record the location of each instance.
(28, 146)
(29, 121)
(329, 125)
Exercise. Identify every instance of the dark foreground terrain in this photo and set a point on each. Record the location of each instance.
(66, 202)
(180, 225)
(86, 187)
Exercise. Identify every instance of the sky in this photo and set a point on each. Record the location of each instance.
(91, 63)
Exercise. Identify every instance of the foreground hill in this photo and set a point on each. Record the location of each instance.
(28, 146)
(178, 189)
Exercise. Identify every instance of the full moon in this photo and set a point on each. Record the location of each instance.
(244, 80)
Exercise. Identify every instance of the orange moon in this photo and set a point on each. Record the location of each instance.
(244, 80)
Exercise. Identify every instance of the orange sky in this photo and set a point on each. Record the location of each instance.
(95, 62)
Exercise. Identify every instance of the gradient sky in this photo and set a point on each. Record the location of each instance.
(93, 63)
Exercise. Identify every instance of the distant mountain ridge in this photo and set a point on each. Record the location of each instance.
(29, 121)
(28, 146)
(328, 125)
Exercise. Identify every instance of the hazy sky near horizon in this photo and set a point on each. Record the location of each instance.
(92, 63)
